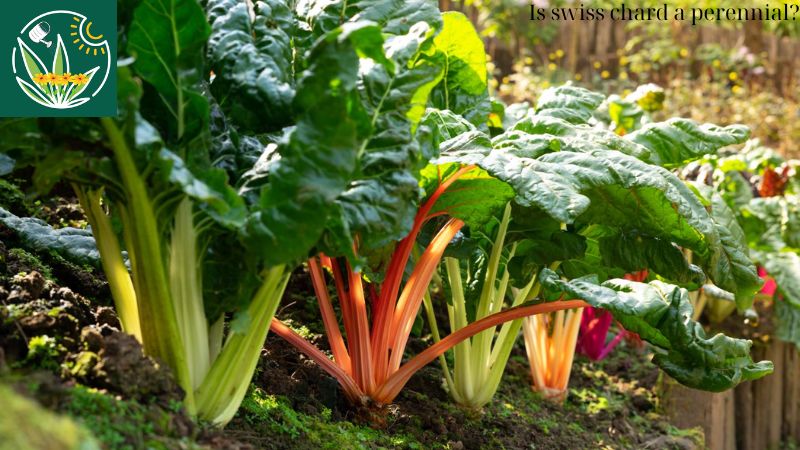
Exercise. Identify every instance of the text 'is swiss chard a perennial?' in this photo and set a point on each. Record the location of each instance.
(351, 135)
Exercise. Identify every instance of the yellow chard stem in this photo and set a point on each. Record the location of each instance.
(119, 280)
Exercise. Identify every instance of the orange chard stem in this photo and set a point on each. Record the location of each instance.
(344, 302)
(351, 389)
(329, 319)
(385, 309)
(363, 370)
(414, 290)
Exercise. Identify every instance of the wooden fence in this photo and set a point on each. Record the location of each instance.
(757, 415)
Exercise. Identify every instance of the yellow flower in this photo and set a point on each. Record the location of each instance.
(623, 75)
(684, 53)
(578, 77)
(733, 76)
(559, 53)
(716, 63)
(552, 56)
(51, 78)
(79, 79)
(623, 61)
(40, 78)
(597, 65)
(551, 67)
(61, 80)
(605, 74)
(528, 60)
(736, 89)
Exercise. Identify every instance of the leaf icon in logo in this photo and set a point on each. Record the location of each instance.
(57, 88)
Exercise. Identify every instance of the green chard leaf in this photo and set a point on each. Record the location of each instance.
(678, 141)
(72, 244)
(168, 38)
(662, 315)
(464, 87)
(252, 60)
(573, 104)
(319, 155)
(583, 176)
(396, 17)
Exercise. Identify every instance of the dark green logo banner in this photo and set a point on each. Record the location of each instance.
(59, 58)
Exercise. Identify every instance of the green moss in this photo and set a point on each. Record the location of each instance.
(275, 416)
(13, 199)
(44, 352)
(121, 424)
(695, 434)
(29, 261)
(24, 425)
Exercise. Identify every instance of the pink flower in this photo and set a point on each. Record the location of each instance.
(769, 283)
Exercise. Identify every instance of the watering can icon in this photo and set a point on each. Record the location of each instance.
(39, 32)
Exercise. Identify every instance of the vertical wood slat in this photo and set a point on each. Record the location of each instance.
(757, 415)
(713, 412)
(745, 430)
(791, 391)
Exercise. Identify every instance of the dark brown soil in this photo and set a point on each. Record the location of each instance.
(80, 346)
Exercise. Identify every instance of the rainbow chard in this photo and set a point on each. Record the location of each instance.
(587, 206)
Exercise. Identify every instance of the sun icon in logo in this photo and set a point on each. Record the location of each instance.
(62, 59)
(84, 38)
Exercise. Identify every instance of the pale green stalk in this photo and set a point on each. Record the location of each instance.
(489, 299)
(225, 386)
(186, 286)
(481, 360)
(215, 335)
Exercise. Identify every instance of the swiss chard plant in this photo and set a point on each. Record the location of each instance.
(171, 231)
(758, 189)
(588, 207)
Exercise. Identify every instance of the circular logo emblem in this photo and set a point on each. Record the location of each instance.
(60, 61)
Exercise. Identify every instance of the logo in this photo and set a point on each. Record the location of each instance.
(63, 61)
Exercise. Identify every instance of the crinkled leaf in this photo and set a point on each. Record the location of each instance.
(662, 315)
(379, 204)
(319, 156)
(395, 16)
(678, 141)
(634, 252)
(730, 267)
(584, 180)
(571, 103)
(73, 244)
(252, 60)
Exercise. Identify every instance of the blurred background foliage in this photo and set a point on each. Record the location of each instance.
(723, 72)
